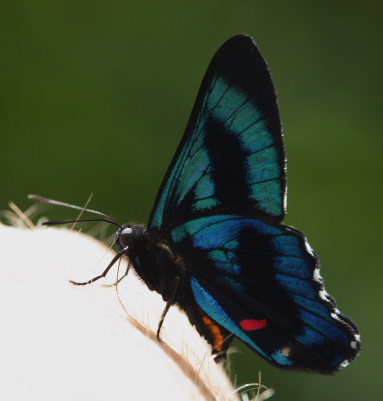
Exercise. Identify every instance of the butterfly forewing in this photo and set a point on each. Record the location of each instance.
(231, 158)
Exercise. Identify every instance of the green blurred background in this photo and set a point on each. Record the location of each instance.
(95, 96)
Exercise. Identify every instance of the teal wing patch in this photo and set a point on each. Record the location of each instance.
(231, 158)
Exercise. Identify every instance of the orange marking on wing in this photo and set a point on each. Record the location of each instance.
(216, 331)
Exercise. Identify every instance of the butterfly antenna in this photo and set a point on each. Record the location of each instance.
(42, 199)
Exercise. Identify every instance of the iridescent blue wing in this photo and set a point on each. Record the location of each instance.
(231, 158)
(261, 282)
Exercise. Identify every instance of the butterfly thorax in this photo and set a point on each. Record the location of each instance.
(152, 258)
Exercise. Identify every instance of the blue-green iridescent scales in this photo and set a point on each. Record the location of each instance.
(293, 270)
(230, 106)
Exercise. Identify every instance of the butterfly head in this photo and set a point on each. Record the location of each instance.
(128, 234)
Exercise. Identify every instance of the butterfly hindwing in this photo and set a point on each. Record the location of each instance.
(261, 283)
(231, 157)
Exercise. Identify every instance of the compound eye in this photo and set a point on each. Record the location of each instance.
(126, 231)
(124, 236)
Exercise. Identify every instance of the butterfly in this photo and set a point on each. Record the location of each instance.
(215, 244)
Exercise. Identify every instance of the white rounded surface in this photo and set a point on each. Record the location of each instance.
(63, 342)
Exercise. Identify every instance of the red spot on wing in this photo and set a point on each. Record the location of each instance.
(252, 324)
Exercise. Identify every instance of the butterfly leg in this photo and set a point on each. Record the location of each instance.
(168, 305)
(120, 279)
(121, 253)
